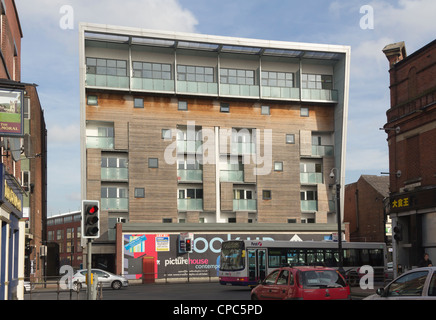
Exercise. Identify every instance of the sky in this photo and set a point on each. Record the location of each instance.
(50, 59)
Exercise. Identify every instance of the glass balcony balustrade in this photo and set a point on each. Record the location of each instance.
(190, 204)
(114, 204)
(309, 205)
(311, 177)
(114, 174)
(186, 175)
(100, 142)
(231, 176)
(244, 205)
(322, 151)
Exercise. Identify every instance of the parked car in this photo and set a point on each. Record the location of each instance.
(108, 280)
(416, 284)
(302, 283)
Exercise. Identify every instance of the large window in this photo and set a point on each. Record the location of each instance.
(237, 76)
(109, 67)
(277, 79)
(195, 73)
(148, 70)
(316, 81)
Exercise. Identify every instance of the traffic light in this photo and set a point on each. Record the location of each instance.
(398, 233)
(188, 245)
(90, 219)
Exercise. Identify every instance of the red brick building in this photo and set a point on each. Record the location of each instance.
(63, 235)
(364, 208)
(411, 130)
(23, 145)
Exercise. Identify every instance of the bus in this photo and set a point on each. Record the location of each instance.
(248, 262)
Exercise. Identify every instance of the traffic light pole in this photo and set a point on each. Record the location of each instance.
(88, 274)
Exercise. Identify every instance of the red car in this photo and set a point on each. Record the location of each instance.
(302, 283)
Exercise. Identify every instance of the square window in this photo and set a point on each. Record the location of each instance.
(92, 101)
(290, 138)
(265, 110)
(139, 193)
(183, 105)
(153, 163)
(225, 107)
(278, 166)
(304, 112)
(167, 220)
(292, 220)
(166, 134)
(138, 103)
(266, 194)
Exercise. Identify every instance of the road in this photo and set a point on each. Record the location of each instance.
(178, 291)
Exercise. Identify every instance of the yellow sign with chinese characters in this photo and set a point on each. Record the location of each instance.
(12, 197)
(400, 203)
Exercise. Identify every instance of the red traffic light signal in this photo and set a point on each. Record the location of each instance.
(188, 245)
(90, 219)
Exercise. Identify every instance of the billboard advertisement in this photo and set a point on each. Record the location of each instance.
(156, 256)
(11, 112)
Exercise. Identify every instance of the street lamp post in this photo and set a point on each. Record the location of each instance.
(338, 216)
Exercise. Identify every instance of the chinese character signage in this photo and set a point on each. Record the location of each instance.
(420, 199)
(11, 112)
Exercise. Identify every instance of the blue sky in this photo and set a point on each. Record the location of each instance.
(50, 59)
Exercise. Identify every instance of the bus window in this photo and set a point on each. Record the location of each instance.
(364, 257)
(252, 264)
(351, 258)
(292, 256)
(276, 258)
(376, 257)
(331, 258)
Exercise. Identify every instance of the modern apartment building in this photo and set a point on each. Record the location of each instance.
(191, 128)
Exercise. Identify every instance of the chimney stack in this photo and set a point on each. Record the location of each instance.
(395, 52)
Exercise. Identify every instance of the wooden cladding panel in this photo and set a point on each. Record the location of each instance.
(93, 160)
(226, 196)
(121, 135)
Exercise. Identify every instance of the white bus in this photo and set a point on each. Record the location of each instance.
(247, 262)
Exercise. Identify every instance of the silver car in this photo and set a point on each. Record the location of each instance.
(107, 279)
(416, 284)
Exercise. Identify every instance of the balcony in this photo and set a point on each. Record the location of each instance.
(281, 93)
(319, 95)
(244, 205)
(309, 205)
(197, 87)
(185, 175)
(114, 204)
(241, 90)
(153, 84)
(190, 204)
(311, 177)
(231, 176)
(96, 80)
(321, 151)
(114, 174)
(100, 142)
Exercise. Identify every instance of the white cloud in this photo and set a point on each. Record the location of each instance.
(155, 14)
(58, 134)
